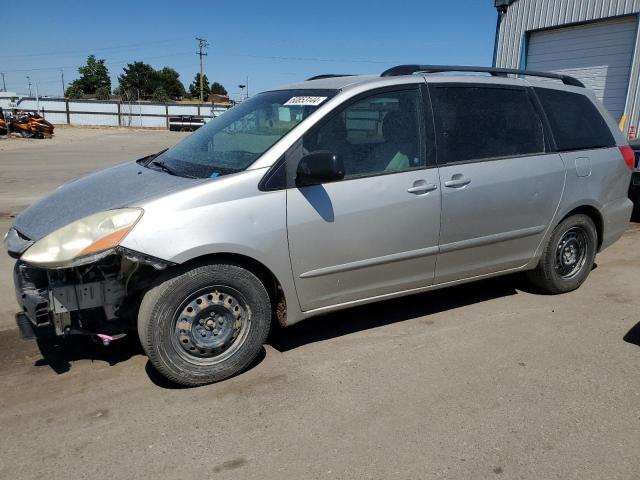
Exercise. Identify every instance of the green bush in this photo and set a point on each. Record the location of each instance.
(74, 91)
(160, 95)
(103, 93)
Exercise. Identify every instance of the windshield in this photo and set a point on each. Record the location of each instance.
(237, 138)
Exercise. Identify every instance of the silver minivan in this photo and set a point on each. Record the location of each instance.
(334, 192)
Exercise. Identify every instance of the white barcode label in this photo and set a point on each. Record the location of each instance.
(310, 101)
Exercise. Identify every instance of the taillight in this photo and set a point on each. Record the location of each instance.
(628, 156)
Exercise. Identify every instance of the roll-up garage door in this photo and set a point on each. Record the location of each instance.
(598, 53)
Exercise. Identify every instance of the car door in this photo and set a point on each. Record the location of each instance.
(376, 231)
(500, 185)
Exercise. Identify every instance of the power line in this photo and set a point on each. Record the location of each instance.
(110, 63)
(308, 59)
(91, 50)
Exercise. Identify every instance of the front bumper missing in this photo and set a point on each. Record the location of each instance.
(96, 296)
(51, 305)
(31, 295)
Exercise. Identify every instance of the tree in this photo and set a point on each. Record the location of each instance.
(169, 80)
(218, 89)
(160, 95)
(194, 88)
(93, 75)
(138, 80)
(103, 93)
(74, 91)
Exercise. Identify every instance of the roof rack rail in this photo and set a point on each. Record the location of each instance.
(330, 75)
(496, 72)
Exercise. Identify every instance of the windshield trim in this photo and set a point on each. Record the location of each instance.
(186, 161)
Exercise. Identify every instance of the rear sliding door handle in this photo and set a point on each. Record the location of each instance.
(457, 181)
(422, 188)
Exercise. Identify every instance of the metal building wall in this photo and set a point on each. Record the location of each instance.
(526, 15)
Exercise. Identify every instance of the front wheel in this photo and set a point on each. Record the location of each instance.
(205, 324)
(568, 257)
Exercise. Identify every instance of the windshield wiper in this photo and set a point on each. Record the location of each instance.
(149, 158)
(165, 167)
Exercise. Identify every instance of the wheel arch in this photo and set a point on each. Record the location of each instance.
(265, 275)
(594, 214)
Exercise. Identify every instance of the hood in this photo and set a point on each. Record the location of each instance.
(124, 185)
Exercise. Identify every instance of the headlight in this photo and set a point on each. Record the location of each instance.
(95, 234)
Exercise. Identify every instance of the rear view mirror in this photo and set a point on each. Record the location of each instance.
(319, 167)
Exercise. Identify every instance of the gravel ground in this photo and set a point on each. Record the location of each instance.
(488, 380)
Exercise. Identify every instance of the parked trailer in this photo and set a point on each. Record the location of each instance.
(185, 123)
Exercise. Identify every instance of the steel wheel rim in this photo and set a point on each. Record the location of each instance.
(571, 252)
(210, 325)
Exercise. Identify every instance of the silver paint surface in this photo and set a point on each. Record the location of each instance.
(123, 185)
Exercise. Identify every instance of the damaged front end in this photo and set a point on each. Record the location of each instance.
(99, 299)
(78, 279)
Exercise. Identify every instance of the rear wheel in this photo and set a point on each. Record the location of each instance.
(568, 257)
(205, 324)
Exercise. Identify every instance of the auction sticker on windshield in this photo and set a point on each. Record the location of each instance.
(305, 101)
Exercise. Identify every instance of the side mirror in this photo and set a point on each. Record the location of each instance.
(319, 167)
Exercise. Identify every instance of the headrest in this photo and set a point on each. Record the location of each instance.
(398, 127)
(335, 130)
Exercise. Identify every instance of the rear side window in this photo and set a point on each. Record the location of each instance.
(478, 122)
(575, 120)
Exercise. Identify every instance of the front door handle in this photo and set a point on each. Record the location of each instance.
(420, 187)
(457, 181)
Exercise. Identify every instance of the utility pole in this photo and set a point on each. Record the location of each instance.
(202, 45)
(62, 75)
(4, 87)
(29, 80)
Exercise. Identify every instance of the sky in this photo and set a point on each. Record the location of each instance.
(272, 42)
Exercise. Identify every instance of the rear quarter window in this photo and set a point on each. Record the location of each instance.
(575, 121)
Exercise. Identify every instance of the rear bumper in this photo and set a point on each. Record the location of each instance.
(616, 217)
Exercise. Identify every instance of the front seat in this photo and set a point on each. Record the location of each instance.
(398, 150)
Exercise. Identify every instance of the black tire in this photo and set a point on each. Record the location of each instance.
(232, 295)
(557, 273)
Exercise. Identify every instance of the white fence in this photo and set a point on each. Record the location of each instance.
(114, 113)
